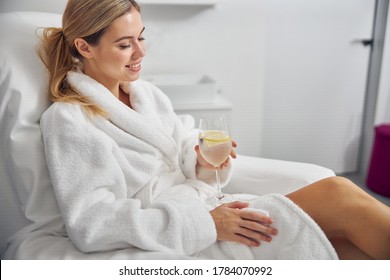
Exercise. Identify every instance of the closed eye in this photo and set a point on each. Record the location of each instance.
(123, 47)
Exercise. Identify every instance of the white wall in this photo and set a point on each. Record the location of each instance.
(383, 102)
(56, 6)
(225, 41)
(316, 81)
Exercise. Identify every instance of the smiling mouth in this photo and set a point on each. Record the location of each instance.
(134, 67)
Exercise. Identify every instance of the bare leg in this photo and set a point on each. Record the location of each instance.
(347, 250)
(353, 219)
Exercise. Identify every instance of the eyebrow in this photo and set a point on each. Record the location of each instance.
(128, 37)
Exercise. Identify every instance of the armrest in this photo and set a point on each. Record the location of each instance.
(261, 176)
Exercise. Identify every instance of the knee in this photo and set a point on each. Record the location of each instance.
(340, 187)
(340, 182)
(347, 192)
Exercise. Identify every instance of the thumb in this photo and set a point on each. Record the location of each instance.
(237, 204)
(197, 150)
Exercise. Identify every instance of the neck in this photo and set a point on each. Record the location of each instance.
(125, 98)
(114, 88)
(111, 85)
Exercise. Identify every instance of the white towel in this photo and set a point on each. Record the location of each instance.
(299, 237)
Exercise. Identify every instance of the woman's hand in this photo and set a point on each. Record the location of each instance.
(234, 223)
(206, 164)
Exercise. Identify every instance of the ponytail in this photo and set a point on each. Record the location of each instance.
(58, 57)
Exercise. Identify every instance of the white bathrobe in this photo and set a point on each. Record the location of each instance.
(129, 180)
(108, 174)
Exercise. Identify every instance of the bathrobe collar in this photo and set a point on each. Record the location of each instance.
(141, 126)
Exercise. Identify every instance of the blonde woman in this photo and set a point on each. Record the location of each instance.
(126, 170)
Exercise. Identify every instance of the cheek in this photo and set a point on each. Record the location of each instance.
(113, 57)
(120, 57)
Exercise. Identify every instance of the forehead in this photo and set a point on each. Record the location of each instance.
(130, 24)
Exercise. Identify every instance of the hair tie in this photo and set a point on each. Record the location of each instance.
(62, 33)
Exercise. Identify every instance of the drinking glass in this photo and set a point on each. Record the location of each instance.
(215, 144)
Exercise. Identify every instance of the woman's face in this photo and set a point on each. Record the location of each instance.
(119, 54)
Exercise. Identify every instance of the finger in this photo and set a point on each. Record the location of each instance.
(233, 152)
(258, 227)
(237, 204)
(246, 241)
(254, 235)
(255, 216)
(198, 154)
(225, 164)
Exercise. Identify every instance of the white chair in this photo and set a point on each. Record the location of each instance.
(23, 172)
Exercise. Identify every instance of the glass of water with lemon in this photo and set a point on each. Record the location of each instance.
(215, 144)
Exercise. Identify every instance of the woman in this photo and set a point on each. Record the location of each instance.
(125, 172)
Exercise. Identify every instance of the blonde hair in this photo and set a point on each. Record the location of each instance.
(87, 19)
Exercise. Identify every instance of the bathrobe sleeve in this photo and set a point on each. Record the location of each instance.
(85, 168)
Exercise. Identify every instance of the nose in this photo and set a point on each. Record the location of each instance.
(139, 49)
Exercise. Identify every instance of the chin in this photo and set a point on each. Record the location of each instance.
(132, 78)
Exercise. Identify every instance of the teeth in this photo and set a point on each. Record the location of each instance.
(134, 66)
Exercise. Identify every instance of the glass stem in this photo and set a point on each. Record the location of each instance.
(218, 184)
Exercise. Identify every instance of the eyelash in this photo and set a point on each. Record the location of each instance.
(129, 46)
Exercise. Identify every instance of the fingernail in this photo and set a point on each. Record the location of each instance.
(274, 231)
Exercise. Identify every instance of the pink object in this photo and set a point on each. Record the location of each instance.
(378, 178)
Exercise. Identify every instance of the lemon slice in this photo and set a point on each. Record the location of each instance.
(214, 137)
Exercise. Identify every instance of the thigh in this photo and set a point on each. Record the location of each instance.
(329, 202)
(347, 250)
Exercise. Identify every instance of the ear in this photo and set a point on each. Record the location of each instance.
(83, 48)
